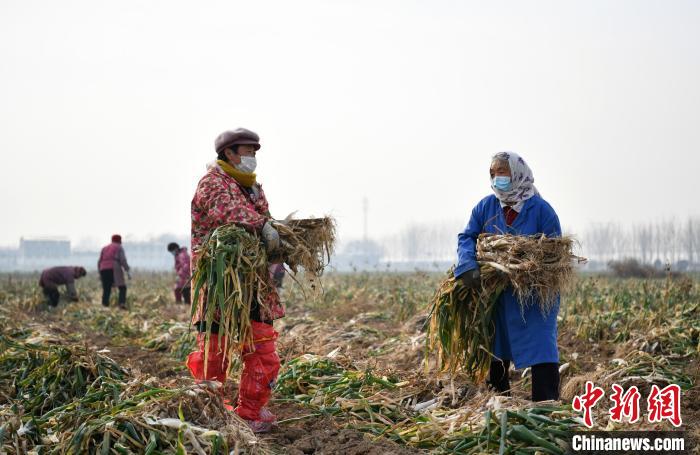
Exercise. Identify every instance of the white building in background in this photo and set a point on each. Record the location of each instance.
(8, 259)
(358, 255)
(36, 254)
(44, 248)
(39, 253)
(152, 254)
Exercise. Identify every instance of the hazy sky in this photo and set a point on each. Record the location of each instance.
(109, 110)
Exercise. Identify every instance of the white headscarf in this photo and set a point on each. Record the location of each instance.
(522, 181)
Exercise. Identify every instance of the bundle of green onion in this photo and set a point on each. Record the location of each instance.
(230, 273)
(461, 327)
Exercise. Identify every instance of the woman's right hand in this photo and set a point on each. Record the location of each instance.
(471, 279)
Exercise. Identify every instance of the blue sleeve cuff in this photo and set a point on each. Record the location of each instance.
(465, 267)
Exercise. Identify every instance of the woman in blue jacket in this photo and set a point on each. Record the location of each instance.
(529, 338)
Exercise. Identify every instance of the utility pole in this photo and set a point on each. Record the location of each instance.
(365, 207)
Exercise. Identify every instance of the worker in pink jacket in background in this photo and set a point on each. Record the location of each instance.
(112, 265)
(182, 269)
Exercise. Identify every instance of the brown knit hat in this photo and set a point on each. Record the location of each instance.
(239, 136)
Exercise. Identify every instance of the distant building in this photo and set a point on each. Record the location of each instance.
(151, 255)
(8, 259)
(34, 255)
(44, 248)
(358, 255)
(37, 254)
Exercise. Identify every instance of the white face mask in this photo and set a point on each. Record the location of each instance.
(247, 164)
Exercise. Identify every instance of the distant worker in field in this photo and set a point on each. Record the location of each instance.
(277, 273)
(528, 339)
(54, 277)
(182, 270)
(229, 193)
(112, 266)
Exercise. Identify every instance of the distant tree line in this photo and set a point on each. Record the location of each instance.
(423, 242)
(665, 241)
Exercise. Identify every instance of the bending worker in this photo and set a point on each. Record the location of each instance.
(229, 193)
(182, 270)
(60, 276)
(528, 339)
(112, 265)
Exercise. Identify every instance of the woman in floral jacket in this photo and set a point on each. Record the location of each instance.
(229, 193)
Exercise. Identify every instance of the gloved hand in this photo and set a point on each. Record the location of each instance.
(270, 237)
(471, 279)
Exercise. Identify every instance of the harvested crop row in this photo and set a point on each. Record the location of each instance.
(378, 405)
(69, 399)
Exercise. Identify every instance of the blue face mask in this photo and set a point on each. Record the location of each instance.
(502, 183)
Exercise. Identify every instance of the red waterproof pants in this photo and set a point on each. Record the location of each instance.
(260, 367)
(217, 363)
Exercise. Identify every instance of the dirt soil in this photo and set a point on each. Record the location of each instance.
(324, 436)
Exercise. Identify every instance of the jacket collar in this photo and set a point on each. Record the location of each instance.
(527, 205)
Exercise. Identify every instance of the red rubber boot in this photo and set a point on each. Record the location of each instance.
(260, 367)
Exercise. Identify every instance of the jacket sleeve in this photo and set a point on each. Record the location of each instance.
(121, 258)
(549, 221)
(229, 206)
(466, 243)
(72, 292)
